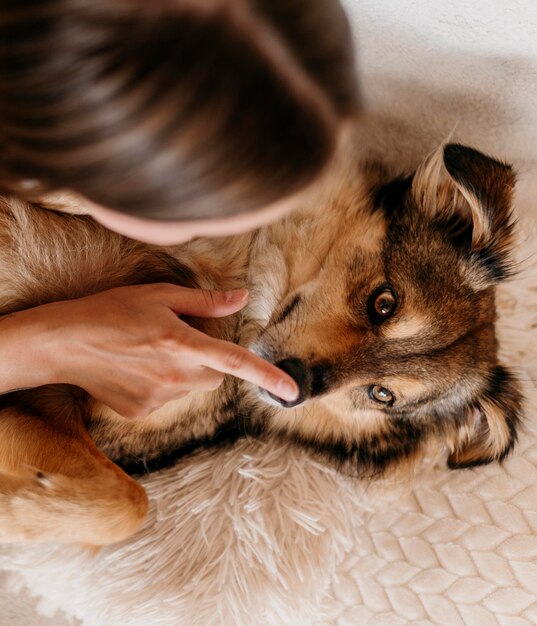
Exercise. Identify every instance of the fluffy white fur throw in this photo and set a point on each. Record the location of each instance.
(261, 534)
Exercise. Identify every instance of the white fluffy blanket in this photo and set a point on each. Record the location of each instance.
(263, 535)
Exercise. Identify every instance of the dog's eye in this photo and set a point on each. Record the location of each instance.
(381, 395)
(382, 304)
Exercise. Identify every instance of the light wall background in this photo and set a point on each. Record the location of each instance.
(430, 66)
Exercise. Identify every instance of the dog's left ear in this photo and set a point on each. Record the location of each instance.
(472, 194)
(494, 421)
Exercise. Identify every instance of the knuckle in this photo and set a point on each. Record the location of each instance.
(165, 375)
(161, 291)
(234, 360)
(140, 290)
(167, 340)
(210, 298)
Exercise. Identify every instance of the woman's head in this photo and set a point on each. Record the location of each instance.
(174, 109)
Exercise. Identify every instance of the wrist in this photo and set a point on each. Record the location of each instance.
(29, 348)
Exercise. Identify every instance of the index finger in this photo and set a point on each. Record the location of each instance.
(230, 358)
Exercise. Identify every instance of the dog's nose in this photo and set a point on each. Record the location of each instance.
(297, 370)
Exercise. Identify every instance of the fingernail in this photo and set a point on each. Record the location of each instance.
(237, 295)
(288, 391)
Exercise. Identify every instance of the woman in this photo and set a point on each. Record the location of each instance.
(169, 119)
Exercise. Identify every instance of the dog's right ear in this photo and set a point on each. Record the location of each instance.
(494, 419)
(470, 193)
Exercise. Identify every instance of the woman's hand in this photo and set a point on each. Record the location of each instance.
(128, 349)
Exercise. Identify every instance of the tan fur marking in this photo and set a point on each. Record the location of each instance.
(489, 438)
(498, 436)
(405, 327)
(406, 388)
(427, 181)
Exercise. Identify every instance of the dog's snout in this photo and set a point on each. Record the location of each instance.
(299, 373)
(296, 369)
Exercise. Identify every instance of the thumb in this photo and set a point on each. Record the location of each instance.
(207, 303)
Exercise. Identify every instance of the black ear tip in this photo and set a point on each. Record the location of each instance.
(452, 150)
(459, 158)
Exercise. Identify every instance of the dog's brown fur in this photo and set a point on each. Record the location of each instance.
(439, 238)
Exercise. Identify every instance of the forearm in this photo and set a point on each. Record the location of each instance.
(25, 351)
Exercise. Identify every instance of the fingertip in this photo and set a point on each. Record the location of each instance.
(288, 390)
(236, 296)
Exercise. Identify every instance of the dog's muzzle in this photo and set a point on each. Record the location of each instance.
(299, 373)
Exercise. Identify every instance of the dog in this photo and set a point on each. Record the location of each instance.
(377, 297)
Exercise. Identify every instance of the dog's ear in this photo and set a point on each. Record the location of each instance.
(494, 420)
(471, 195)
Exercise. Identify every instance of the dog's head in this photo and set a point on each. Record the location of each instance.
(387, 319)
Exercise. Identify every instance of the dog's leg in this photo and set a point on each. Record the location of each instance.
(56, 486)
